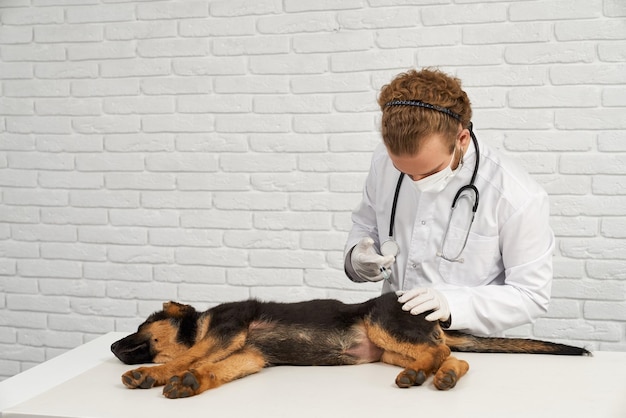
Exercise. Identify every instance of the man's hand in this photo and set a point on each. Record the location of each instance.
(367, 263)
(424, 299)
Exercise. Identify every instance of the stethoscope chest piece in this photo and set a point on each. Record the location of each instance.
(389, 247)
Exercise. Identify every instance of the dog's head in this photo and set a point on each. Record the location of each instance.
(163, 336)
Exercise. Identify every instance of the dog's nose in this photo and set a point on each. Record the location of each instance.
(114, 346)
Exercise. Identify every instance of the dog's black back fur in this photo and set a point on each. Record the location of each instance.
(326, 314)
(323, 330)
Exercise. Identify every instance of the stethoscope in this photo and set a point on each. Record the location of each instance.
(390, 246)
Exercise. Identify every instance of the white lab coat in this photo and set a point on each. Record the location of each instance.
(505, 278)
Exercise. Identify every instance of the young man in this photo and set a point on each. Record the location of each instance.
(481, 267)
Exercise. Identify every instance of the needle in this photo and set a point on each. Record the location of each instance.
(386, 273)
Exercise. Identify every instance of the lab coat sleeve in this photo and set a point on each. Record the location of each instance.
(527, 244)
(349, 270)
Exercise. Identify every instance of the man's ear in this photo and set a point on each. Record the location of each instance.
(464, 139)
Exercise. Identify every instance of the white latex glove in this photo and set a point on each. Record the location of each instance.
(367, 263)
(424, 299)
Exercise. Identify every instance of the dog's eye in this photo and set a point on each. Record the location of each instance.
(156, 340)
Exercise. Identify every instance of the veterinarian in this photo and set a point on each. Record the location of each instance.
(482, 266)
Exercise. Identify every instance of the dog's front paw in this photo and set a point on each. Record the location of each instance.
(182, 386)
(139, 379)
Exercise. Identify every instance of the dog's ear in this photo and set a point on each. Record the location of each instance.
(177, 310)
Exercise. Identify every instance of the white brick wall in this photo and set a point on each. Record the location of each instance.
(207, 151)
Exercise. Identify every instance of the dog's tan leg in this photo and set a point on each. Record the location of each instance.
(206, 350)
(416, 370)
(211, 375)
(419, 360)
(450, 372)
(409, 376)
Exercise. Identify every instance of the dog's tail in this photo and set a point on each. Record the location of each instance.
(458, 341)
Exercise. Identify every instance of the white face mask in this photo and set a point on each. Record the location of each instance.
(437, 182)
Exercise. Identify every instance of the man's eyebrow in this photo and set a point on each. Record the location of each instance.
(435, 170)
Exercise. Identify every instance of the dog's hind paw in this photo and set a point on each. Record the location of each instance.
(181, 386)
(445, 380)
(138, 379)
(410, 377)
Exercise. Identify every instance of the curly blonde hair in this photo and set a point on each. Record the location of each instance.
(403, 127)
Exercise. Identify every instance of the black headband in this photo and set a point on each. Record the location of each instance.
(419, 103)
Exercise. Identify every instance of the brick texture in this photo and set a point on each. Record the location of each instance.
(212, 150)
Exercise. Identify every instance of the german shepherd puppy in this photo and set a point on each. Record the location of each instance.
(203, 350)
